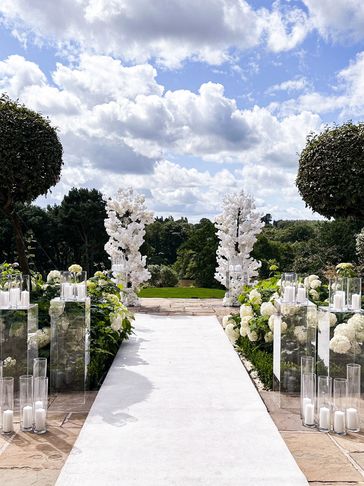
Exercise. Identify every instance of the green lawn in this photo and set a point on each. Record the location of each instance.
(182, 293)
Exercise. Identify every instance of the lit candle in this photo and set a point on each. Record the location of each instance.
(309, 415)
(338, 301)
(339, 422)
(301, 295)
(40, 419)
(355, 302)
(8, 425)
(25, 298)
(352, 418)
(324, 419)
(27, 417)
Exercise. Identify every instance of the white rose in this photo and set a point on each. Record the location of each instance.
(268, 338)
(315, 284)
(246, 310)
(252, 336)
(340, 344)
(255, 297)
(267, 309)
(232, 333)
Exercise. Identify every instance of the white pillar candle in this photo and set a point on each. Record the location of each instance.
(14, 297)
(324, 419)
(27, 417)
(309, 415)
(8, 425)
(355, 302)
(25, 298)
(305, 401)
(339, 422)
(38, 404)
(67, 291)
(301, 295)
(40, 419)
(338, 301)
(81, 291)
(289, 294)
(352, 418)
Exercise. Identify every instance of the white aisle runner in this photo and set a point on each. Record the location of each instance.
(178, 408)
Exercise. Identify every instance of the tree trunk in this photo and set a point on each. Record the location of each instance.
(19, 239)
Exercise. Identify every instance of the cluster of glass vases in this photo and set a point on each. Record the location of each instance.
(33, 400)
(331, 404)
(14, 291)
(345, 294)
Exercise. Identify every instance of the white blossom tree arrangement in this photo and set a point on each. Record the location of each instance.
(237, 230)
(127, 217)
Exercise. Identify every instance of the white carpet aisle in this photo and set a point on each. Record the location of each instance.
(178, 408)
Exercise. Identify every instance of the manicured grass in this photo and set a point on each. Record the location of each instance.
(182, 293)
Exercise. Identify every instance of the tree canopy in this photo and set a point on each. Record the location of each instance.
(30, 162)
(331, 172)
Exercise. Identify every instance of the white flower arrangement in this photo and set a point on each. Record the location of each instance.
(227, 320)
(54, 277)
(340, 344)
(75, 268)
(237, 230)
(255, 297)
(252, 336)
(246, 310)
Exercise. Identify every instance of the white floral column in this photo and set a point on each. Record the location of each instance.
(125, 225)
(237, 230)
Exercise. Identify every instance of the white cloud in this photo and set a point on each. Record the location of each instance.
(125, 137)
(338, 20)
(169, 32)
(298, 84)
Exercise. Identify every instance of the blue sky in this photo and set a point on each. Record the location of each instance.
(186, 101)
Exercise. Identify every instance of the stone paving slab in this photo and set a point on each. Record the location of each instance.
(178, 408)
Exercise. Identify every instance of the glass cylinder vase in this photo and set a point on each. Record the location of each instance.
(40, 405)
(73, 286)
(288, 287)
(7, 404)
(308, 399)
(307, 367)
(26, 402)
(301, 291)
(338, 294)
(15, 285)
(40, 368)
(353, 373)
(4, 291)
(354, 293)
(339, 405)
(324, 403)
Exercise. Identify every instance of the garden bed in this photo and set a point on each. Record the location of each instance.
(181, 293)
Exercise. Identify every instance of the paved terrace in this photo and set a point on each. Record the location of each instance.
(325, 460)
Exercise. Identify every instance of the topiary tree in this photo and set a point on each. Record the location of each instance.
(30, 162)
(331, 172)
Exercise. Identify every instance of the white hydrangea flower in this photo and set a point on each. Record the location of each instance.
(333, 319)
(345, 329)
(252, 336)
(255, 297)
(271, 322)
(300, 334)
(232, 333)
(357, 321)
(283, 327)
(311, 278)
(315, 284)
(340, 344)
(116, 323)
(246, 310)
(268, 338)
(245, 320)
(225, 320)
(267, 309)
(244, 329)
(314, 294)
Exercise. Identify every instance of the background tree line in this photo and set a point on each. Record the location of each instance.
(73, 231)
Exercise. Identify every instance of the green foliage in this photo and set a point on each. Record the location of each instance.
(331, 172)
(182, 293)
(30, 161)
(260, 358)
(162, 276)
